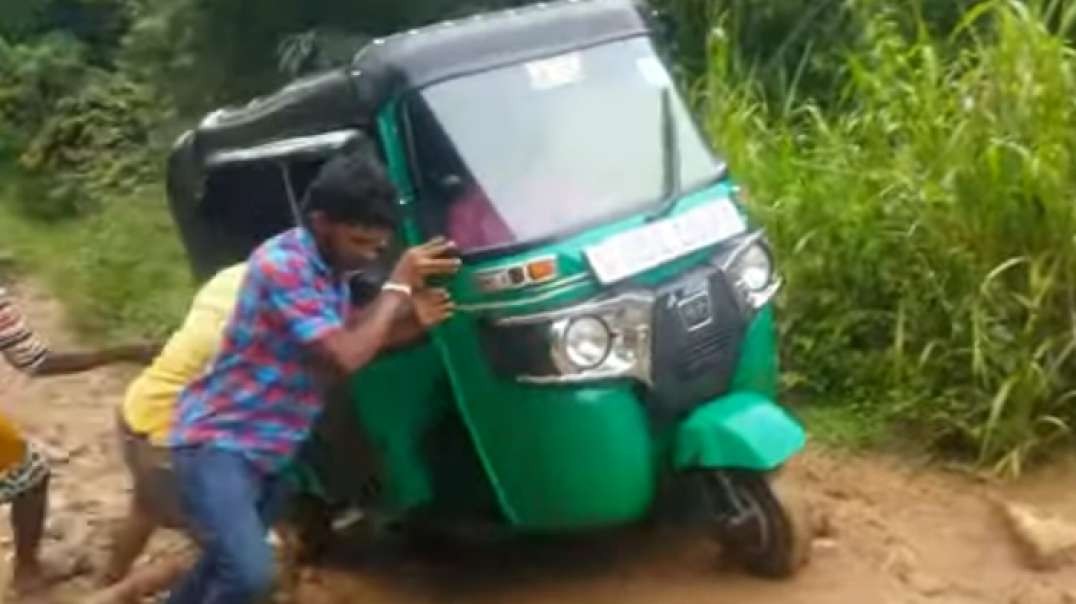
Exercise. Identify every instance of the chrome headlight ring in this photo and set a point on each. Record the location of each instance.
(607, 339)
(751, 268)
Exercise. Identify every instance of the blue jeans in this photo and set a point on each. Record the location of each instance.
(230, 506)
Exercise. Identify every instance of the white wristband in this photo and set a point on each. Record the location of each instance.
(400, 288)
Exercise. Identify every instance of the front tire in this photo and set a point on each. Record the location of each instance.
(764, 526)
(309, 525)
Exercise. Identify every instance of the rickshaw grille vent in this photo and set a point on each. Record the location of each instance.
(698, 331)
(699, 355)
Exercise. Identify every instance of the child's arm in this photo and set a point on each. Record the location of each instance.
(25, 351)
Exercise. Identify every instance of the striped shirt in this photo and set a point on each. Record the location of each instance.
(18, 344)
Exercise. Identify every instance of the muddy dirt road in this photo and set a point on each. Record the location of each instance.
(891, 532)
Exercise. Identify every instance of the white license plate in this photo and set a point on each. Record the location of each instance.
(646, 247)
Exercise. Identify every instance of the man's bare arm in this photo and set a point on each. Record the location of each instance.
(354, 346)
(429, 308)
(384, 322)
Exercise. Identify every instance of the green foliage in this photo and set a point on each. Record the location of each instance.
(912, 161)
(129, 270)
(99, 24)
(849, 425)
(120, 272)
(925, 224)
(317, 50)
(791, 48)
(95, 144)
(34, 76)
(224, 52)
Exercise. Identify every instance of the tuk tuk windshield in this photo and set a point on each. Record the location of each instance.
(547, 148)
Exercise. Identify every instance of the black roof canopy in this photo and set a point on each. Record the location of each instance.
(413, 59)
(349, 98)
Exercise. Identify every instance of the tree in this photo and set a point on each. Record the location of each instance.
(225, 51)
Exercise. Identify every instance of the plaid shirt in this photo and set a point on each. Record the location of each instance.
(259, 396)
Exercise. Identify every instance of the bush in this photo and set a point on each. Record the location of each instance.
(97, 143)
(120, 272)
(925, 225)
(205, 54)
(126, 273)
(34, 76)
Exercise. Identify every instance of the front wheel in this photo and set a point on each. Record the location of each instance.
(308, 529)
(764, 526)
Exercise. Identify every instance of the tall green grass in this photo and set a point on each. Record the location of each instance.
(926, 223)
(120, 272)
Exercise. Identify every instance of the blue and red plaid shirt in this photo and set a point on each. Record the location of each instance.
(260, 397)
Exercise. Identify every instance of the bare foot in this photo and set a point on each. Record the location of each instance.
(38, 575)
(142, 581)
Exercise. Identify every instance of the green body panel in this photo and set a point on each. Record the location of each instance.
(558, 458)
(758, 369)
(400, 397)
(555, 458)
(739, 430)
(575, 281)
(397, 401)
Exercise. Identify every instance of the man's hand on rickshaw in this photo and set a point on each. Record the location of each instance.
(379, 326)
(434, 258)
(433, 306)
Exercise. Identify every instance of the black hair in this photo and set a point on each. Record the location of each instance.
(353, 188)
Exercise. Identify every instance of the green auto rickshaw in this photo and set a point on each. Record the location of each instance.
(615, 332)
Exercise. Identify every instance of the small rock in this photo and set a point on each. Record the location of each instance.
(1048, 542)
(900, 561)
(824, 544)
(876, 522)
(903, 563)
(837, 493)
(926, 584)
(77, 451)
(1036, 593)
(55, 454)
(55, 532)
(823, 524)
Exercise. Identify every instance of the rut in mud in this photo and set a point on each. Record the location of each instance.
(888, 532)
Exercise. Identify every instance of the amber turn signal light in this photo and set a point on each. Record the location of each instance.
(542, 270)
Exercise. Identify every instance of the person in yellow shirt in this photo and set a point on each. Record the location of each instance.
(146, 413)
(145, 420)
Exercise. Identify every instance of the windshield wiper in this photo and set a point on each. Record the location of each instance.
(670, 155)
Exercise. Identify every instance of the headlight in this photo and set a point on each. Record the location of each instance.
(601, 340)
(750, 267)
(755, 268)
(586, 342)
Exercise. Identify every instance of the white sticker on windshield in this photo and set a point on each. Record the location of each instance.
(654, 72)
(556, 71)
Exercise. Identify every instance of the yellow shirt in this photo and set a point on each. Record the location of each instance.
(151, 399)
